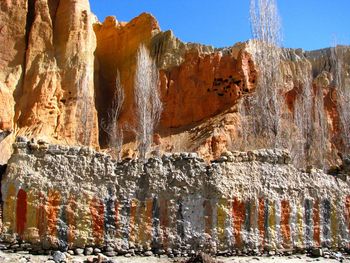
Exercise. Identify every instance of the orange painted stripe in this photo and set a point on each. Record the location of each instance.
(316, 221)
(285, 225)
(21, 212)
(10, 208)
(53, 206)
(261, 221)
(142, 222)
(238, 214)
(132, 225)
(164, 221)
(148, 220)
(97, 214)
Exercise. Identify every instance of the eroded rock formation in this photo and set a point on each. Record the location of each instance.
(59, 67)
(47, 71)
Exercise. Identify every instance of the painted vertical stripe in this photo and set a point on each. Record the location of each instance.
(248, 216)
(97, 215)
(326, 232)
(145, 226)
(266, 220)
(21, 212)
(164, 221)
(180, 220)
(261, 221)
(285, 223)
(253, 236)
(300, 242)
(141, 222)
(238, 214)
(63, 228)
(124, 219)
(155, 222)
(347, 218)
(272, 223)
(41, 216)
(308, 222)
(116, 218)
(53, 206)
(316, 222)
(31, 233)
(334, 224)
(10, 209)
(133, 219)
(109, 218)
(71, 220)
(83, 220)
(221, 218)
(347, 215)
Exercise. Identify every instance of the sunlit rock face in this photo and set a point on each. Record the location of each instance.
(59, 69)
(47, 74)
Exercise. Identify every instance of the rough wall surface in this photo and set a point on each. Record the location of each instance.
(58, 75)
(58, 196)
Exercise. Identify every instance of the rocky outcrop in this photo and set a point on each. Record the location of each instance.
(196, 82)
(57, 97)
(47, 71)
(67, 197)
(58, 77)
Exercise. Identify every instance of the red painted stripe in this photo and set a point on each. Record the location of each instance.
(97, 214)
(238, 214)
(164, 221)
(53, 206)
(285, 226)
(261, 221)
(21, 212)
(316, 220)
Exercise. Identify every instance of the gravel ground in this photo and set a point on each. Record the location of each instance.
(25, 257)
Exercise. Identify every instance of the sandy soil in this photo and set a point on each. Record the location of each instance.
(25, 257)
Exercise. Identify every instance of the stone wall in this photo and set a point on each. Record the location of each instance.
(58, 197)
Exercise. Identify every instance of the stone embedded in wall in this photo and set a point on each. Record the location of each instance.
(65, 197)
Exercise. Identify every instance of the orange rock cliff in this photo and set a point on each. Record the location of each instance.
(58, 71)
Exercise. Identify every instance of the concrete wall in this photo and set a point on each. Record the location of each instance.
(60, 197)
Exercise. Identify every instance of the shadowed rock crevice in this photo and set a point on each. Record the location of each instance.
(30, 19)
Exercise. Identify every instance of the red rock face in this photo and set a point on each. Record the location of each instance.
(203, 86)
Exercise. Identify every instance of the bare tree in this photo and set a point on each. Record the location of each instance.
(342, 87)
(266, 104)
(110, 123)
(84, 134)
(147, 99)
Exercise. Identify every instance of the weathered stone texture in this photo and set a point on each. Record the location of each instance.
(58, 196)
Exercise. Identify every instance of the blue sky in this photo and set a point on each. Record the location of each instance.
(307, 24)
